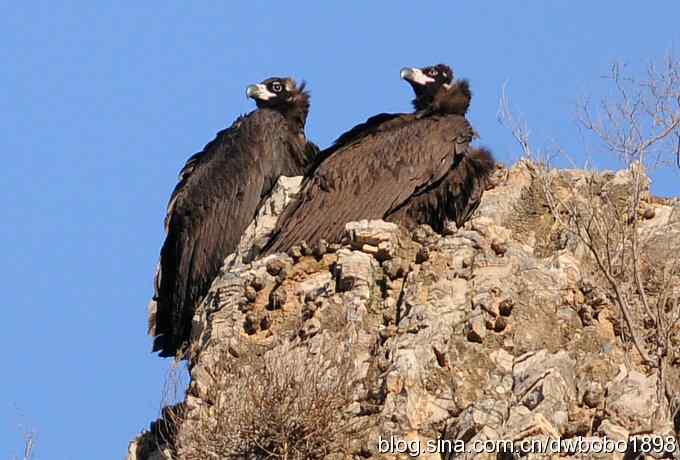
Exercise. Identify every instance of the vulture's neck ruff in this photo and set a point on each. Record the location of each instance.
(448, 99)
(295, 109)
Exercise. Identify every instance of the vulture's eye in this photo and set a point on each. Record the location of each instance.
(277, 87)
(432, 72)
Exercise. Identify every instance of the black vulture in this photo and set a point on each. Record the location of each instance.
(219, 192)
(412, 169)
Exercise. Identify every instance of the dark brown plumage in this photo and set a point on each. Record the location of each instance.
(218, 194)
(453, 198)
(408, 168)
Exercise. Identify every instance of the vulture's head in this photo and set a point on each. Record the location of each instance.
(427, 80)
(435, 90)
(283, 95)
(276, 92)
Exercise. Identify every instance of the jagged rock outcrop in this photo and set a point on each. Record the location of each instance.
(257, 234)
(499, 330)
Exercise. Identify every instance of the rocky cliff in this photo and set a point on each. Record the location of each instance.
(505, 329)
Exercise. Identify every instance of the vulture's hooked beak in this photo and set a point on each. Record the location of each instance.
(259, 92)
(414, 75)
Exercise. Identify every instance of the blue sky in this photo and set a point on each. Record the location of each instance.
(102, 104)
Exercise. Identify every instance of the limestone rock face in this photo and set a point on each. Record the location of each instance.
(258, 232)
(499, 330)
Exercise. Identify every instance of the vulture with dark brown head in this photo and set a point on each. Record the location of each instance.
(411, 169)
(219, 192)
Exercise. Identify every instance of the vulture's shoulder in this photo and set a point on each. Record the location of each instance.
(223, 141)
(373, 125)
(450, 122)
(397, 160)
(457, 125)
(408, 128)
(406, 138)
(370, 126)
(220, 157)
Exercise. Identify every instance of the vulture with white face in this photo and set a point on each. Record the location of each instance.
(412, 169)
(219, 192)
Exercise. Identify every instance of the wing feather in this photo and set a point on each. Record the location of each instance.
(453, 198)
(373, 175)
(218, 194)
